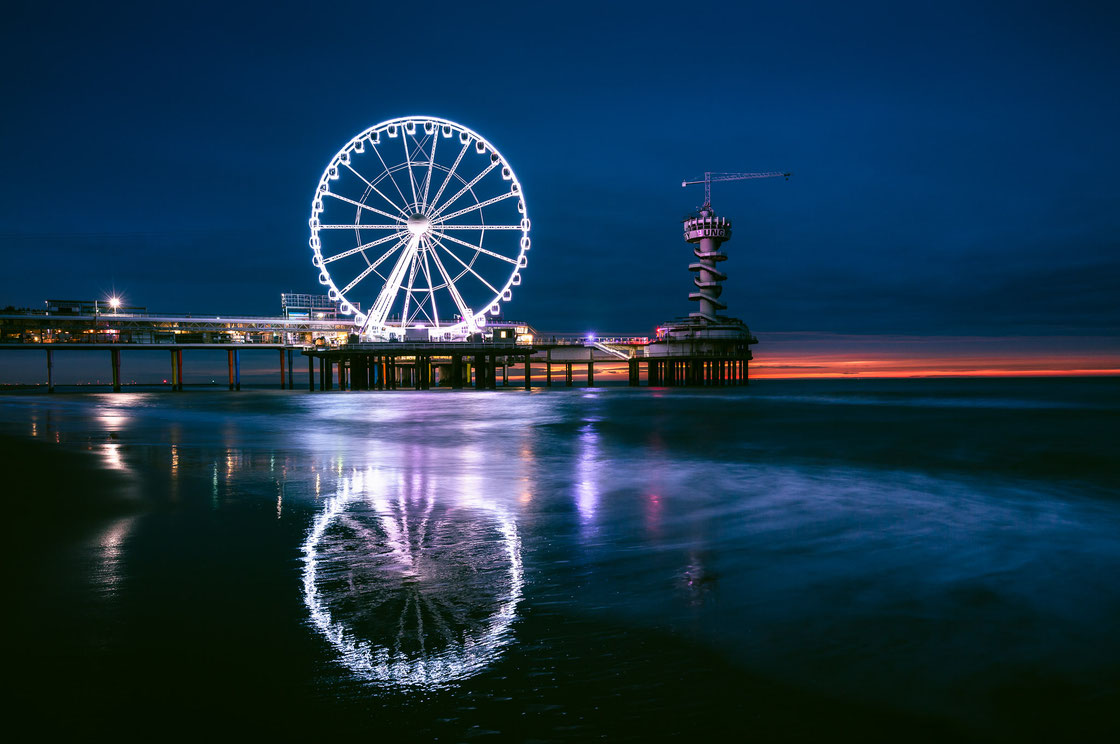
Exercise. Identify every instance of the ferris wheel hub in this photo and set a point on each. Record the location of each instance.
(419, 224)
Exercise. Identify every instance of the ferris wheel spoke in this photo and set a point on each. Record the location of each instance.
(464, 311)
(431, 290)
(420, 148)
(466, 188)
(384, 301)
(466, 266)
(428, 178)
(478, 206)
(366, 272)
(362, 247)
(389, 173)
(447, 179)
(481, 227)
(408, 162)
(474, 247)
(395, 228)
(364, 206)
(371, 268)
(367, 182)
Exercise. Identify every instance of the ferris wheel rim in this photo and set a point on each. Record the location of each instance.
(391, 229)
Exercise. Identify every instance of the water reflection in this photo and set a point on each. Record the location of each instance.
(109, 547)
(587, 473)
(412, 584)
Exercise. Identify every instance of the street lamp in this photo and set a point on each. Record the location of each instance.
(115, 303)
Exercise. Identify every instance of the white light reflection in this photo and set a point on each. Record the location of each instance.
(107, 572)
(111, 456)
(409, 589)
(587, 474)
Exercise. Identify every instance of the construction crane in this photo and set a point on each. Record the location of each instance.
(710, 178)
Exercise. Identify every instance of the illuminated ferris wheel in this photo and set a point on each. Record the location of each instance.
(419, 222)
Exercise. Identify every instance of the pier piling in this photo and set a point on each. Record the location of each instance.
(115, 358)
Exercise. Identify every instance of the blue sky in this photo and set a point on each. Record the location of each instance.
(955, 165)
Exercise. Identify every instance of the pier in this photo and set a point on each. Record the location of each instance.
(337, 362)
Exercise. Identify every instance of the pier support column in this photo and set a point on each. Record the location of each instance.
(632, 368)
(310, 373)
(456, 371)
(548, 368)
(528, 374)
(115, 358)
(229, 366)
(283, 372)
(568, 374)
(505, 372)
(291, 371)
(591, 367)
(322, 374)
(174, 373)
(237, 369)
(179, 367)
(50, 371)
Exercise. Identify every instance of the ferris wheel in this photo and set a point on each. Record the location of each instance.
(419, 222)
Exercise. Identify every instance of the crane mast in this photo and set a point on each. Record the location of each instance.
(710, 178)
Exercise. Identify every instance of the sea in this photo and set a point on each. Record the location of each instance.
(798, 560)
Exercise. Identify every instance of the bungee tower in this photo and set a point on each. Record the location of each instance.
(705, 347)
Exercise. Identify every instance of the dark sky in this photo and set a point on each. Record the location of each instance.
(955, 166)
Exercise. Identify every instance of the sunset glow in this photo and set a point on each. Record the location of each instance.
(809, 355)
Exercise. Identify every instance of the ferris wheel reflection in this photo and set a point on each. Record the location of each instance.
(410, 583)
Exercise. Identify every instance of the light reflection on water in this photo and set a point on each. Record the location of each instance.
(413, 583)
(828, 546)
